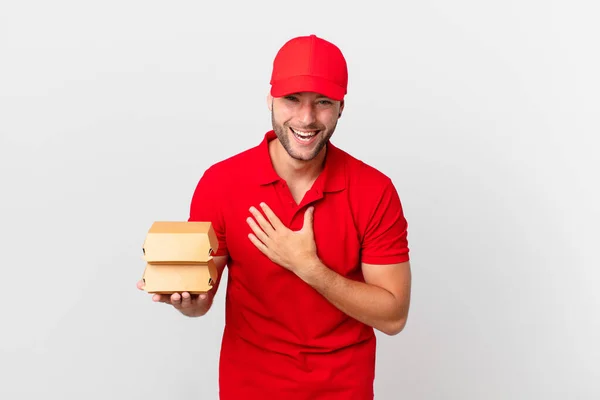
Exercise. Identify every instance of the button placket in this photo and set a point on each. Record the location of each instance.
(286, 198)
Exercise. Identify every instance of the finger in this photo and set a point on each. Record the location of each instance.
(264, 224)
(200, 299)
(186, 300)
(161, 298)
(275, 221)
(260, 245)
(176, 300)
(259, 233)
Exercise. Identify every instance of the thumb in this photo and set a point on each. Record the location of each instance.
(308, 219)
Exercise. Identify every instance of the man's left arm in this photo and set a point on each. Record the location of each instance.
(382, 301)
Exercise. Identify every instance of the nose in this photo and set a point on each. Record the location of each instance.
(307, 114)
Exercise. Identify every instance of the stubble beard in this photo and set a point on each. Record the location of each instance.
(283, 134)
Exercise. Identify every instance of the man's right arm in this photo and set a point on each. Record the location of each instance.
(192, 305)
(206, 205)
(220, 263)
(201, 306)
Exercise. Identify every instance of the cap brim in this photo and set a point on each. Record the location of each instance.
(314, 84)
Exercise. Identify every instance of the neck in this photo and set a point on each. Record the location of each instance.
(292, 170)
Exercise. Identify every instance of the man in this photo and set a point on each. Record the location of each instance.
(315, 242)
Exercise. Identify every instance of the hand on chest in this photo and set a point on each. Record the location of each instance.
(333, 231)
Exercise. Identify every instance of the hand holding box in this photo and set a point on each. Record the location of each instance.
(179, 257)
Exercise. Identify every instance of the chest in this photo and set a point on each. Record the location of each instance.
(335, 234)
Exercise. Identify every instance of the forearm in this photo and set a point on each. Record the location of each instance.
(369, 304)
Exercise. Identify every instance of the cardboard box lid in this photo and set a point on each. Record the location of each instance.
(180, 242)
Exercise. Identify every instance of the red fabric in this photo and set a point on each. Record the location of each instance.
(281, 337)
(309, 64)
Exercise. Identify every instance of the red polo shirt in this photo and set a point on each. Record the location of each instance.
(283, 339)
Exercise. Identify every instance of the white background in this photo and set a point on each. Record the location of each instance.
(485, 115)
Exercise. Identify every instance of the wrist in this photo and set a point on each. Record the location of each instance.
(309, 270)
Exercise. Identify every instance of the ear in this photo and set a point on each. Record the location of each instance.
(270, 102)
(342, 103)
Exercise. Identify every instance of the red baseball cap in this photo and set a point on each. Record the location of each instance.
(309, 64)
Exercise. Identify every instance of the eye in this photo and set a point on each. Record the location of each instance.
(291, 98)
(325, 102)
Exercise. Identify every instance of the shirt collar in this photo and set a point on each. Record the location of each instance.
(331, 179)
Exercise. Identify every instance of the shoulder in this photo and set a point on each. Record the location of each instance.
(233, 162)
(231, 168)
(368, 188)
(373, 200)
(361, 175)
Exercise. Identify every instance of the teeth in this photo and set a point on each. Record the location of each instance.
(303, 135)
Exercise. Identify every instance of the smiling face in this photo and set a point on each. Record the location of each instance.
(304, 122)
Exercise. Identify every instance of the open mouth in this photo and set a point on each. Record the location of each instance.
(303, 136)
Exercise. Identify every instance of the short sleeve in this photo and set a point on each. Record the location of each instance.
(207, 205)
(385, 240)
